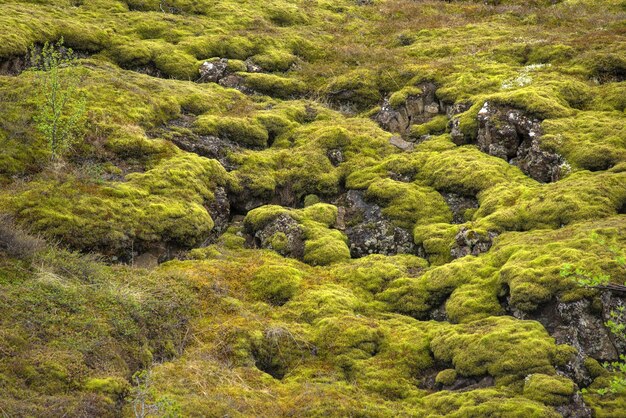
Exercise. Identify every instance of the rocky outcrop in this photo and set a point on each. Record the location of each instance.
(213, 71)
(400, 143)
(335, 156)
(219, 209)
(512, 135)
(468, 242)
(207, 146)
(580, 324)
(218, 71)
(575, 408)
(283, 235)
(416, 109)
(14, 65)
(459, 204)
(368, 231)
(179, 132)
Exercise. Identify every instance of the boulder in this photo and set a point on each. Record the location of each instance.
(213, 71)
(368, 231)
(459, 204)
(469, 242)
(283, 235)
(510, 134)
(415, 110)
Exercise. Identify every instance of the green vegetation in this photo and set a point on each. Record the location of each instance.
(62, 111)
(192, 254)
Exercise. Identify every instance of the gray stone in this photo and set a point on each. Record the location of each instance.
(469, 242)
(291, 237)
(213, 71)
(398, 142)
(510, 134)
(416, 109)
(368, 231)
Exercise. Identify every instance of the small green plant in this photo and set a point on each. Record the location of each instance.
(60, 115)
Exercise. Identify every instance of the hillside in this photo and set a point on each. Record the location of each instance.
(313, 208)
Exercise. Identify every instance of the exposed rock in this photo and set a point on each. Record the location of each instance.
(456, 108)
(219, 209)
(148, 69)
(439, 314)
(335, 156)
(575, 408)
(282, 235)
(459, 204)
(398, 142)
(461, 383)
(212, 71)
(146, 261)
(235, 81)
(578, 325)
(509, 134)
(369, 231)
(251, 67)
(14, 65)
(581, 325)
(468, 242)
(207, 146)
(415, 110)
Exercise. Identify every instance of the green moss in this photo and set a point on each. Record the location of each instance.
(273, 85)
(321, 212)
(322, 245)
(446, 377)
(374, 272)
(544, 54)
(167, 206)
(358, 88)
(436, 125)
(504, 348)
(437, 240)
(550, 390)
(484, 402)
(259, 218)
(276, 284)
(274, 60)
(349, 336)
(592, 140)
(176, 65)
(244, 131)
(310, 200)
(399, 98)
(409, 204)
(326, 249)
(113, 386)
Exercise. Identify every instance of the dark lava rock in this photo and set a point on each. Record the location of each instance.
(575, 408)
(213, 71)
(282, 235)
(234, 81)
(14, 65)
(179, 132)
(580, 324)
(417, 109)
(207, 146)
(468, 242)
(368, 231)
(219, 209)
(510, 134)
(335, 156)
(459, 204)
